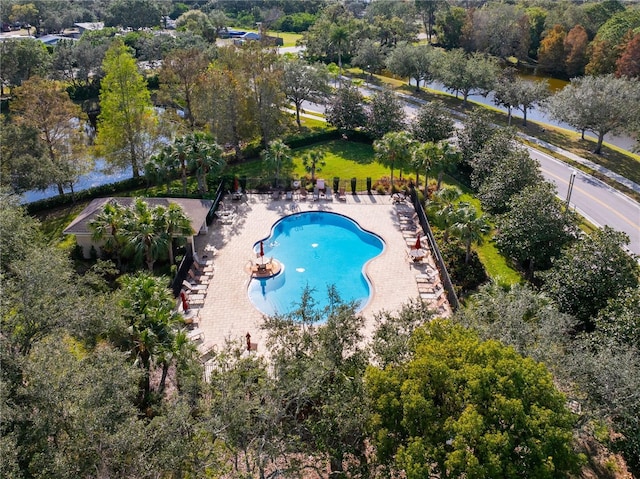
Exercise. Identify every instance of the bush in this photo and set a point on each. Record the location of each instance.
(300, 140)
(296, 22)
(466, 277)
(88, 194)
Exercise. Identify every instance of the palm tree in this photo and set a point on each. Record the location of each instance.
(178, 153)
(108, 225)
(469, 227)
(444, 210)
(277, 157)
(444, 155)
(146, 231)
(204, 155)
(149, 308)
(421, 159)
(313, 162)
(176, 223)
(394, 149)
(338, 36)
(159, 168)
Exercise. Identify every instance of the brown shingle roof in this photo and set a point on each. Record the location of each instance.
(195, 210)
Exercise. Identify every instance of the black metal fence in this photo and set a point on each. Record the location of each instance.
(187, 260)
(444, 274)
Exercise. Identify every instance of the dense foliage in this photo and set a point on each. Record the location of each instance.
(77, 387)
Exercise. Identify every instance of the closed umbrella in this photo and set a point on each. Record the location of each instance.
(261, 252)
(185, 304)
(417, 253)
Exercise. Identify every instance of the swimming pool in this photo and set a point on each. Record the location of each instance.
(316, 250)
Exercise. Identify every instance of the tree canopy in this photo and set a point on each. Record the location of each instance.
(462, 406)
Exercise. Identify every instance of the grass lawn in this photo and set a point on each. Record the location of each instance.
(289, 39)
(53, 223)
(496, 265)
(344, 159)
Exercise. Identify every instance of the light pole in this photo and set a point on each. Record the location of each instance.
(572, 180)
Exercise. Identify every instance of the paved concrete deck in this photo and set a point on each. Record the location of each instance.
(227, 312)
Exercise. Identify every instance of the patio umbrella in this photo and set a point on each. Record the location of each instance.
(261, 252)
(417, 245)
(235, 185)
(185, 304)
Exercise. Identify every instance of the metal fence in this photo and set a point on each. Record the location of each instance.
(187, 261)
(444, 274)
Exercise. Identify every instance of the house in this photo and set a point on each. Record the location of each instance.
(91, 26)
(51, 40)
(196, 210)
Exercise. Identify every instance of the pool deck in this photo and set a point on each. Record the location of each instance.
(227, 312)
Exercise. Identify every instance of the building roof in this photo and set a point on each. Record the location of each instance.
(90, 25)
(53, 39)
(195, 210)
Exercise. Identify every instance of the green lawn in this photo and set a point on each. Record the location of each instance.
(344, 159)
(289, 39)
(53, 223)
(496, 265)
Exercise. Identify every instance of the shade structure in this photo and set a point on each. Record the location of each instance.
(418, 245)
(185, 303)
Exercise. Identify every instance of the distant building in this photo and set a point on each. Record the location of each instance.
(51, 40)
(91, 26)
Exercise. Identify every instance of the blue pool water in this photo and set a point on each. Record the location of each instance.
(315, 249)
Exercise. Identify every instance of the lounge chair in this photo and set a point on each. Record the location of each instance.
(275, 195)
(303, 193)
(194, 287)
(198, 278)
(289, 195)
(342, 194)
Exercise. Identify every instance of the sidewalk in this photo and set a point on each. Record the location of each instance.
(572, 156)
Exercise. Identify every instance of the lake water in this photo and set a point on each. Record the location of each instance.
(96, 177)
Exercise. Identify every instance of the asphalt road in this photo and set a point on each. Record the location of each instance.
(596, 201)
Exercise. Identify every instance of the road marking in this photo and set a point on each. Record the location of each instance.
(606, 206)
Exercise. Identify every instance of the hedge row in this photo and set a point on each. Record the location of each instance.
(88, 194)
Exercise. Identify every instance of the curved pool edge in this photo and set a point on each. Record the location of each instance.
(364, 270)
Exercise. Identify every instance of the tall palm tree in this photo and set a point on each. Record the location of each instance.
(338, 37)
(394, 149)
(421, 159)
(469, 227)
(313, 162)
(146, 231)
(108, 226)
(149, 308)
(277, 158)
(176, 223)
(444, 209)
(178, 153)
(204, 156)
(445, 155)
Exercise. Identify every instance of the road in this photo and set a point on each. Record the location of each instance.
(597, 202)
(594, 200)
